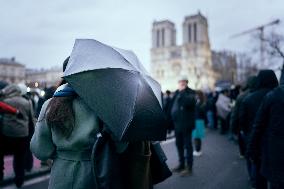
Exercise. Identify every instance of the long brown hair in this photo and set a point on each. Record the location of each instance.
(60, 113)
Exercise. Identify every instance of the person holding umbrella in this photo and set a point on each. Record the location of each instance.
(108, 110)
(183, 116)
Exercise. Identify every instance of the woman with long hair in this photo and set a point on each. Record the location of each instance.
(67, 131)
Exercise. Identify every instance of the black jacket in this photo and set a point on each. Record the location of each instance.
(183, 115)
(248, 109)
(234, 121)
(167, 110)
(266, 81)
(267, 138)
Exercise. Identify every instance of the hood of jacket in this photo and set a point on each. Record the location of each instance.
(266, 79)
(11, 91)
(24, 88)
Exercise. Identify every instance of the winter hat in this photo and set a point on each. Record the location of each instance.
(183, 78)
(24, 88)
(11, 91)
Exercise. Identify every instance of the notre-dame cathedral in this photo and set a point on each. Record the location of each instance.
(192, 59)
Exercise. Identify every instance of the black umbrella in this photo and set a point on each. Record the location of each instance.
(115, 85)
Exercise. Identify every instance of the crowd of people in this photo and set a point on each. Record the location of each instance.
(67, 134)
(251, 115)
(19, 109)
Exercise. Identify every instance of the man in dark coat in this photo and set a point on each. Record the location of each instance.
(266, 81)
(266, 143)
(234, 121)
(183, 116)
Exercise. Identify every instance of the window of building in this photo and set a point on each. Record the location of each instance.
(189, 33)
(195, 32)
(158, 38)
(163, 37)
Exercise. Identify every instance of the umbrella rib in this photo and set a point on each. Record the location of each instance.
(133, 109)
(124, 58)
(144, 74)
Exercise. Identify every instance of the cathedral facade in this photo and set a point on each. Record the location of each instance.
(192, 58)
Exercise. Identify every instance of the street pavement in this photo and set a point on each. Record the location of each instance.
(218, 168)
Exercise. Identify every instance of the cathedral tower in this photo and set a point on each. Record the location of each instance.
(195, 30)
(192, 58)
(163, 34)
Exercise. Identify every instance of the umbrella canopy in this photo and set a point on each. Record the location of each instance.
(117, 87)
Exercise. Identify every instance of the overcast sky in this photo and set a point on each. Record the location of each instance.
(42, 33)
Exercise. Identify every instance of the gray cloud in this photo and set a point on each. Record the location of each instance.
(42, 33)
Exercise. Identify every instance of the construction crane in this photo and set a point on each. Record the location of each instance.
(261, 35)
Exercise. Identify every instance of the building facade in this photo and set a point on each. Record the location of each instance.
(12, 71)
(44, 77)
(192, 58)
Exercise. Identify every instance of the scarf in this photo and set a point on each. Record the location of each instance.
(64, 90)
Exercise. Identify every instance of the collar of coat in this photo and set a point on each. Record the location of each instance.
(187, 90)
